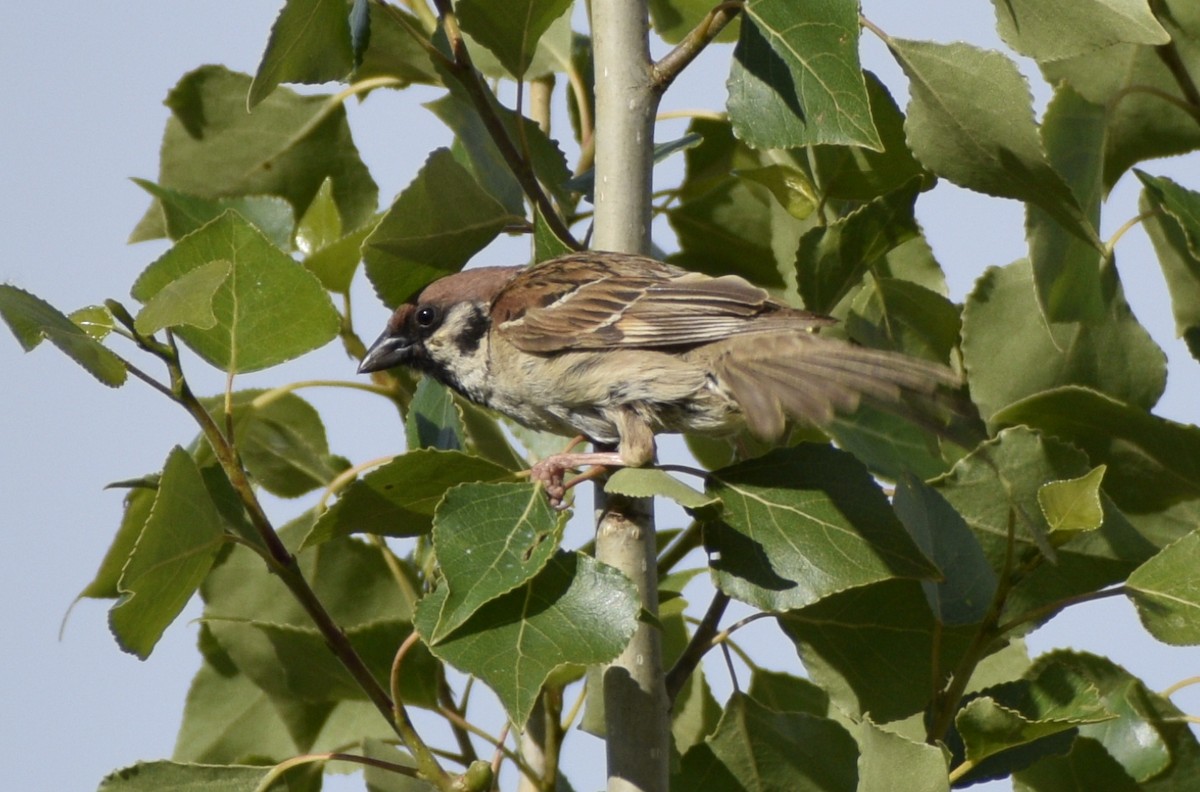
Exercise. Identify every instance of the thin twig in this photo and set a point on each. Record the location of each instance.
(1180, 685)
(1111, 245)
(278, 770)
(698, 646)
(463, 69)
(1037, 614)
(461, 735)
(674, 62)
(280, 560)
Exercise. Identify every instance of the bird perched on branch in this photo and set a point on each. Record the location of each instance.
(619, 348)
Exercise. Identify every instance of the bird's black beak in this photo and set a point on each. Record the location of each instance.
(387, 351)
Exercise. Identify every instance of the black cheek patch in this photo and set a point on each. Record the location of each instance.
(467, 342)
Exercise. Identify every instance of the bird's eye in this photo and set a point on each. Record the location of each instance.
(427, 316)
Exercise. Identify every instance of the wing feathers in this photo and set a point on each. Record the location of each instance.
(811, 379)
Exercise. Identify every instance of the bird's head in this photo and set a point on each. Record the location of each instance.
(442, 326)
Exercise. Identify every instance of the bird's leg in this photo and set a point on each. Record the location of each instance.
(549, 471)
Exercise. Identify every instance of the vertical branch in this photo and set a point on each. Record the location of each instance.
(635, 700)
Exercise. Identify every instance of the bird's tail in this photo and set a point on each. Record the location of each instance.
(812, 378)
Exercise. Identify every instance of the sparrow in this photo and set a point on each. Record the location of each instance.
(618, 348)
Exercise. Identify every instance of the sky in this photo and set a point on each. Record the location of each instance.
(83, 113)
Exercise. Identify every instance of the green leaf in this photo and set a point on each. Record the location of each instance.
(187, 300)
(801, 523)
(329, 251)
(1050, 700)
(321, 224)
(510, 30)
(1167, 593)
(138, 502)
(970, 119)
(1072, 505)
(335, 264)
(281, 440)
(1131, 81)
(1067, 269)
(269, 637)
(183, 212)
(393, 51)
(163, 776)
(433, 419)
(1086, 768)
(355, 582)
(434, 226)
(269, 309)
(1050, 32)
(295, 662)
(723, 223)
(995, 489)
(1151, 462)
(1010, 353)
(1172, 220)
(546, 243)
(890, 313)
(576, 611)
(288, 146)
(876, 649)
(95, 320)
(790, 187)
(888, 761)
(490, 539)
(832, 259)
(968, 584)
(650, 482)
(399, 498)
(31, 319)
(766, 750)
(858, 173)
(476, 149)
(1137, 738)
(173, 554)
(227, 719)
(796, 79)
(674, 19)
(786, 693)
(309, 43)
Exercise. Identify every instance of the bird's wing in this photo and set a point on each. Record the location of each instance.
(587, 301)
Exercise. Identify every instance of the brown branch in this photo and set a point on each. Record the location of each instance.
(1169, 54)
(280, 560)
(463, 69)
(674, 62)
(702, 641)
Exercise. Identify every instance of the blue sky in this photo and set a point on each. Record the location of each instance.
(82, 113)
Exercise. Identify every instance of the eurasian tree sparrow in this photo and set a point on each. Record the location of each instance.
(619, 348)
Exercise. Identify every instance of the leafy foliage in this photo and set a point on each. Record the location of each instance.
(903, 565)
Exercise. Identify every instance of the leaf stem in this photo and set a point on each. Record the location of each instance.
(461, 735)
(274, 394)
(1180, 685)
(960, 771)
(1037, 614)
(1111, 245)
(426, 761)
(278, 770)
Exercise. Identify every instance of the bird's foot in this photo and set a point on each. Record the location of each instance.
(550, 472)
